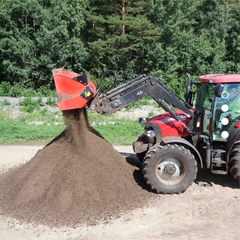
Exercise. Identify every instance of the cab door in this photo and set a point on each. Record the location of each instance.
(203, 112)
(226, 114)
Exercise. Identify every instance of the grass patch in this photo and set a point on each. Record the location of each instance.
(42, 115)
(16, 130)
(117, 131)
(29, 104)
(41, 126)
(120, 133)
(29, 126)
(37, 125)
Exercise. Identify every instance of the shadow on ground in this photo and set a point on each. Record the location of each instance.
(132, 159)
(205, 178)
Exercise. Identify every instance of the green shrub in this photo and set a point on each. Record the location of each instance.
(5, 88)
(8, 90)
(30, 105)
(151, 114)
(5, 102)
(51, 101)
(45, 91)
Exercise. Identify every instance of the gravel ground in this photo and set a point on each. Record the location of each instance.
(209, 209)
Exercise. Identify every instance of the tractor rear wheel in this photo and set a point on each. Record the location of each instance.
(169, 169)
(234, 161)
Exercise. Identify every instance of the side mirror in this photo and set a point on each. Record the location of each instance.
(218, 90)
(188, 94)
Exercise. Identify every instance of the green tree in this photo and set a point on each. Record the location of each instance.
(214, 23)
(37, 36)
(233, 39)
(117, 35)
(166, 38)
(193, 40)
(18, 24)
(178, 50)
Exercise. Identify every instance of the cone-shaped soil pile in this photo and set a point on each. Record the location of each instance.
(77, 178)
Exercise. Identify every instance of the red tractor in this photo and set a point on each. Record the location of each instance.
(191, 134)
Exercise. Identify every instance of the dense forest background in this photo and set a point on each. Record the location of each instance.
(165, 38)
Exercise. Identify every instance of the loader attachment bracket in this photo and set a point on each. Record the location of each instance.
(84, 78)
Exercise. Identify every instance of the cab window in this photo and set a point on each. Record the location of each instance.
(205, 96)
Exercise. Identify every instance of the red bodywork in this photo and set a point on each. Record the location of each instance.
(170, 126)
(220, 78)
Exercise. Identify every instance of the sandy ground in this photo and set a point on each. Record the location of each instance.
(209, 209)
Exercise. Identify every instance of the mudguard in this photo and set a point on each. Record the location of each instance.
(174, 139)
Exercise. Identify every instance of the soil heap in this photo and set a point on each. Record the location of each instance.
(77, 178)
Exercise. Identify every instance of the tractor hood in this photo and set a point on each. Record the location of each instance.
(169, 126)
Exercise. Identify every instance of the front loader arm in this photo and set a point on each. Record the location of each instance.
(133, 91)
(78, 91)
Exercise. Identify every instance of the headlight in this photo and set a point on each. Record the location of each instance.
(151, 136)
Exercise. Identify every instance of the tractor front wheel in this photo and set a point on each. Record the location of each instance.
(234, 161)
(169, 169)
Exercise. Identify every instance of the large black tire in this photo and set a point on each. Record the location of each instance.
(169, 169)
(234, 161)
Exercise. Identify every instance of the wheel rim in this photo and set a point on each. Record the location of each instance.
(170, 170)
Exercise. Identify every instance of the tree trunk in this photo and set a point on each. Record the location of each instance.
(123, 16)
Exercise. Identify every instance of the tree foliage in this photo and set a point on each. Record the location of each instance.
(119, 32)
(37, 36)
(164, 38)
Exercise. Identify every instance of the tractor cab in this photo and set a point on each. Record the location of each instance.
(218, 106)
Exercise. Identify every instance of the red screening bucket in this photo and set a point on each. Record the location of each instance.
(73, 90)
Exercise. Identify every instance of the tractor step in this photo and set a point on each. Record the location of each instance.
(219, 166)
(219, 171)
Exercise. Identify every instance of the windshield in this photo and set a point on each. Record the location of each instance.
(220, 114)
(227, 111)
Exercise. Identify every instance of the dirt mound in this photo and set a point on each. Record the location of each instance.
(77, 178)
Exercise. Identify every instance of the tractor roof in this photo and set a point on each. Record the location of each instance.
(220, 78)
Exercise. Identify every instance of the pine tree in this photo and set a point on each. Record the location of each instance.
(118, 34)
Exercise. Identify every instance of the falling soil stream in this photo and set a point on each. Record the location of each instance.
(77, 178)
